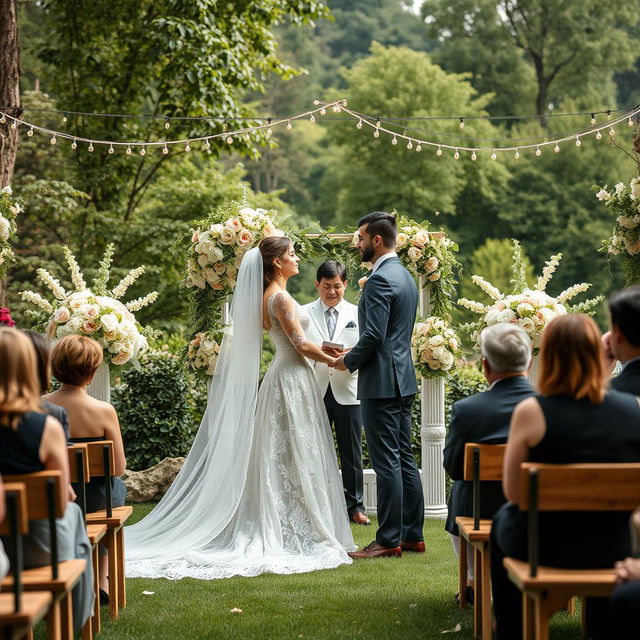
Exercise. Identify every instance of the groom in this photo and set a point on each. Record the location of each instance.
(386, 388)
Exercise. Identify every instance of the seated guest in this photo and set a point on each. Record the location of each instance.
(75, 360)
(43, 361)
(32, 441)
(485, 417)
(623, 341)
(572, 419)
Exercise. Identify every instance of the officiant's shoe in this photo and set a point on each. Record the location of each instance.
(414, 547)
(375, 550)
(359, 518)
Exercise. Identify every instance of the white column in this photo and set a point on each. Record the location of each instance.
(432, 433)
(100, 387)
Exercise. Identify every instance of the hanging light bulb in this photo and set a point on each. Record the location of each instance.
(538, 151)
(439, 151)
(270, 130)
(289, 125)
(593, 118)
(143, 151)
(608, 114)
(474, 157)
(462, 123)
(128, 151)
(336, 108)
(110, 150)
(557, 148)
(612, 131)
(3, 119)
(167, 124)
(64, 119)
(207, 145)
(456, 155)
(578, 142)
(630, 122)
(323, 112)
(376, 133)
(316, 102)
(359, 125)
(165, 149)
(312, 118)
(187, 147)
(409, 145)
(599, 135)
(418, 147)
(394, 140)
(377, 123)
(516, 155)
(30, 132)
(493, 155)
(90, 149)
(53, 139)
(14, 124)
(74, 144)
(229, 140)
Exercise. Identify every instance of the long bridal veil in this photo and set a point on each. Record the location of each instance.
(205, 495)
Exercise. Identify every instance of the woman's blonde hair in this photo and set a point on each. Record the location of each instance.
(572, 359)
(19, 382)
(75, 359)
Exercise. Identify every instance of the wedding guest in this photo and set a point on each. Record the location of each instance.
(334, 319)
(572, 419)
(622, 342)
(485, 417)
(43, 361)
(625, 599)
(32, 441)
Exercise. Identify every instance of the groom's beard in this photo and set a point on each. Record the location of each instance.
(367, 253)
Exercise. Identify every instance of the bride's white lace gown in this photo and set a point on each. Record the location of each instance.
(291, 516)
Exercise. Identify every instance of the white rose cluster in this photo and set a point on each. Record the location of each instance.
(203, 352)
(420, 251)
(216, 252)
(10, 207)
(435, 347)
(625, 202)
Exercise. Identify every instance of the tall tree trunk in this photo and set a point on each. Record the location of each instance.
(9, 97)
(9, 86)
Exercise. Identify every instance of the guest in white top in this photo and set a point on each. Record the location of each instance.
(333, 319)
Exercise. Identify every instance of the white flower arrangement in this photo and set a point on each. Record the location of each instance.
(10, 207)
(203, 351)
(95, 312)
(435, 347)
(530, 308)
(216, 251)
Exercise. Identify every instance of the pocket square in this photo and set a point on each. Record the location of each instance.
(351, 325)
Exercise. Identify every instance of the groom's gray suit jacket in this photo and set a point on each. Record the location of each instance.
(386, 314)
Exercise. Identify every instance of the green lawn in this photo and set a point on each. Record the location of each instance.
(410, 597)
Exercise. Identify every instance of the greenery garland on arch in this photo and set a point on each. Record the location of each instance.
(218, 243)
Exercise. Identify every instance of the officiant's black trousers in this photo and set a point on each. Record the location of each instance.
(387, 425)
(347, 422)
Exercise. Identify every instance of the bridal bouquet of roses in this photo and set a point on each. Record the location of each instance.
(218, 245)
(435, 347)
(94, 312)
(530, 307)
(203, 350)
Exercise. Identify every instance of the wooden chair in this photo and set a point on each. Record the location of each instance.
(79, 474)
(572, 487)
(101, 464)
(19, 611)
(482, 463)
(44, 503)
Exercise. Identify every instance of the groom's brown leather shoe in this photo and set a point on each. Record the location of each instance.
(359, 518)
(414, 547)
(375, 550)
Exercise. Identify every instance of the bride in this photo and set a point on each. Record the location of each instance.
(260, 490)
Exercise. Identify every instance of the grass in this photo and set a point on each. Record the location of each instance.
(410, 597)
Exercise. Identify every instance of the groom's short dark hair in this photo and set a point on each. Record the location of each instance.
(381, 224)
(330, 269)
(624, 307)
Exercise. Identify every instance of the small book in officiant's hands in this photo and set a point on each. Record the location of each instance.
(333, 345)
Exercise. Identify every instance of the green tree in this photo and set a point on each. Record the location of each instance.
(374, 174)
(571, 47)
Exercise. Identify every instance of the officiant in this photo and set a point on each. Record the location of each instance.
(335, 320)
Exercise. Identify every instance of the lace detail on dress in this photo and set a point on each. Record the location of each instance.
(282, 304)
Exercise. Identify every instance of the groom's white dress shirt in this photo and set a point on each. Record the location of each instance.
(344, 384)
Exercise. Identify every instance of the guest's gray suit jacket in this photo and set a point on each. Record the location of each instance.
(386, 314)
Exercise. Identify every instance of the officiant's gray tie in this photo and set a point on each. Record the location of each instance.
(331, 321)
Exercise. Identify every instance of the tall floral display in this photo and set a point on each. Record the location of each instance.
(96, 312)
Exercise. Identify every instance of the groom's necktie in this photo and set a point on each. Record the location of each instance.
(331, 321)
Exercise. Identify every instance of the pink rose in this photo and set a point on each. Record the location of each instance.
(244, 238)
(62, 315)
(196, 236)
(217, 286)
(234, 224)
(219, 268)
(89, 326)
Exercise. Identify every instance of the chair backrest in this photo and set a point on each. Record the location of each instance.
(482, 463)
(44, 501)
(102, 464)
(78, 462)
(14, 526)
(575, 487)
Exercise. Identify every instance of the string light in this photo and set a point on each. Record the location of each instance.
(206, 146)
(630, 122)
(608, 114)
(30, 132)
(493, 155)
(516, 155)
(409, 145)
(64, 119)
(474, 157)
(14, 124)
(456, 155)
(187, 147)
(462, 123)
(167, 124)
(289, 125)
(377, 123)
(111, 149)
(323, 112)
(599, 135)
(376, 133)
(143, 151)
(538, 151)
(74, 144)
(336, 108)
(165, 149)
(90, 147)
(593, 118)
(53, 140)
(230, 140)
(418, 147)
(557, 148)
(439, 151)
(578, 142)
(612, 131)
(128, 151)
(316, 102)
(3, 119)
(359, 125)
(394, 141)
(312, 118)
(270, 130)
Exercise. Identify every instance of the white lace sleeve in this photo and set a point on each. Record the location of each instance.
(285, 310)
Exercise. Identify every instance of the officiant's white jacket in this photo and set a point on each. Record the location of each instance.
(344, 384)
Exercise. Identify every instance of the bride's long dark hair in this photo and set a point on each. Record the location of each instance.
(270, 249)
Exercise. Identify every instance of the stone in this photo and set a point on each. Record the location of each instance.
(152, 483)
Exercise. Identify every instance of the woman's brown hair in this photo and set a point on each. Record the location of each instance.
(75, 359)
(572, 359)
(42, 348)
(270, 249)
(19, 384)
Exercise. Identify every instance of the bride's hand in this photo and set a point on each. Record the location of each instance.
(338, 364)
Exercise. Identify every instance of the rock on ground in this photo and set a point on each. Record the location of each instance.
(152, 483)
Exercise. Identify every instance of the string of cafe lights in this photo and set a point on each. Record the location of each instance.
(377, 125)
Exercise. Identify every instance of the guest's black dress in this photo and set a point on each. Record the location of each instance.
(576, 431)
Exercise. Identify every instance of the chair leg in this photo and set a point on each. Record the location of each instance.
(478, 602)
(111, 543)
(571, 607)
(462, 574)
(95, 558)
(122, 588)
(66, 612)
(527, 617)
(87, 630)
(485, 588)
(542, 615)
(53, 621)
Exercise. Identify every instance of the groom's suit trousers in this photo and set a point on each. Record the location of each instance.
(387, 424)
